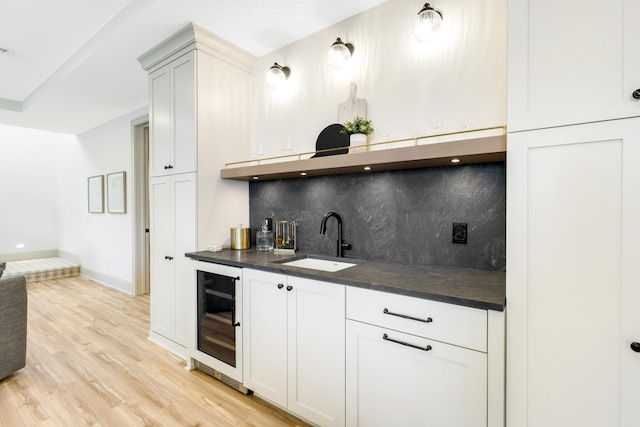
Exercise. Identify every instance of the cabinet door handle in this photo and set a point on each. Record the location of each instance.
(404, 316)
(168, 166)
(386, 338)
(635, 346)
(280, 286)
(636, 94)
(168, 257)
(289, 287)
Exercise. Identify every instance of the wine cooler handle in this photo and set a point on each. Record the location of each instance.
(233, 308)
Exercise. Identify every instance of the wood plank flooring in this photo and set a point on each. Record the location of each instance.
(89, 363)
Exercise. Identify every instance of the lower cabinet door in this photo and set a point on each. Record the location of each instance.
(316, 368)
(163, 269)
(573, 227)
(396, 379)
(173, 204)
(265, 334)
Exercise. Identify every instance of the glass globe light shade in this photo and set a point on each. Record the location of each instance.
(277, 75)
(428, 24)
(339, 54)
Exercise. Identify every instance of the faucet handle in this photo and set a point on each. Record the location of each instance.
(341, 247)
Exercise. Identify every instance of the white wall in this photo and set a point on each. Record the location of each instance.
(28, 190)
(102, 242)
(460, 78)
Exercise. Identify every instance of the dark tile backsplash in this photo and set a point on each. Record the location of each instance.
(401, 216)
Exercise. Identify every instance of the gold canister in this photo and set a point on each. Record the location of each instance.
(240, 238)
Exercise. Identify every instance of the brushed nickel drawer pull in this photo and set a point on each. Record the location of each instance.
(404, 316)
(386, 338)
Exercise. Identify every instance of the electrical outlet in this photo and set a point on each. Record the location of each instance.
(459, 234)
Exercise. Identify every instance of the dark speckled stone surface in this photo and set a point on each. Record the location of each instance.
(403, 217)
(462, 286)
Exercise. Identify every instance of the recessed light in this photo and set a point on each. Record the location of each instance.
(256, 178)
(303, 174)
(455, 160)
(367, 168)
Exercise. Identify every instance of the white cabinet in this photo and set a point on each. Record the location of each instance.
(173, 216)
(412, 362)
(572, 61)
(265, 334)
(199, 116)
(294, 338)
(573, 289)
(172, 117)
(199, 106)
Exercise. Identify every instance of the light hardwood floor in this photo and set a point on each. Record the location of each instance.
(89, 363)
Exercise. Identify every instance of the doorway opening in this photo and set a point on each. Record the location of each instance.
(141, 269)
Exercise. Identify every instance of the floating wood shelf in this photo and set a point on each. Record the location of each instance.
(475, 150)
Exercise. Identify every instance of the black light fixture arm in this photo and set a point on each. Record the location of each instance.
(427, 7)
(349, 46)
(286, 70)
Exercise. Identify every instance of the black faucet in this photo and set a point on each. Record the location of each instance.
(323, 229)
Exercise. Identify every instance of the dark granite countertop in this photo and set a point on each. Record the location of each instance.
(462, 286)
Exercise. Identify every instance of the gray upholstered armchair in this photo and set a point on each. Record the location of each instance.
(13, 325)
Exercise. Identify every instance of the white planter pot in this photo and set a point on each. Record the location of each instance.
(357, 143)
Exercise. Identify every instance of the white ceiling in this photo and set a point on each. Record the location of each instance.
(72, 65)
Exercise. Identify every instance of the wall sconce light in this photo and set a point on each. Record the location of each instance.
(339, 53)
(428, 24)
(277, 75)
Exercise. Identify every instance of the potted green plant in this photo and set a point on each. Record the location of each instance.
(358, 129)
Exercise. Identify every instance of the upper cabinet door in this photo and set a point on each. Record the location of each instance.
(160, 144)
(184, 113)
(172, 116)
(572, 61)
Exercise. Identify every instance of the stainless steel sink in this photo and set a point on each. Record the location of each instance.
(316, 263)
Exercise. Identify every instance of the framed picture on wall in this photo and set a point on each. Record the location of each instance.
(95, 195)
(117, 192)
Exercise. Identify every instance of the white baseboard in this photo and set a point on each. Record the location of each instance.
(113, 282)
(69, 257)
(21, 256)
(169, 345)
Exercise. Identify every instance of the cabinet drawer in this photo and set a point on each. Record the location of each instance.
(396, 379)
(453, 324)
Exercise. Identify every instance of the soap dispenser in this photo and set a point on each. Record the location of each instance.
(264, 237)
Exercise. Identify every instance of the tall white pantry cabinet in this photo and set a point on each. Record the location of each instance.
(573, 213)
(199, 106)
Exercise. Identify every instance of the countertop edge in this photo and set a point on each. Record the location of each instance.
(215, 257)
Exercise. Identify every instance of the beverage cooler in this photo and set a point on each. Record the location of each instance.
(219, 318)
